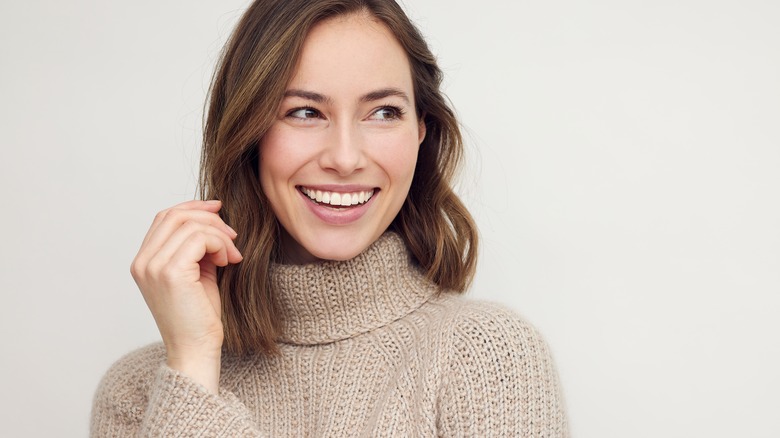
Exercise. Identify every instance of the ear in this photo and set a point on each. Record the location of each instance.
(421, 129)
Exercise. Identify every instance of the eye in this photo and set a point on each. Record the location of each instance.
(387, 113)
(304, 113)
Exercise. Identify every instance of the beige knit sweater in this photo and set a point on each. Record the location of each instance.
(368, 348)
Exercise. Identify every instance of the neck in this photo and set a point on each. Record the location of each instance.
(329, 301)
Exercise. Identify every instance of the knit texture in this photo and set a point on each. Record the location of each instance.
(369, 347)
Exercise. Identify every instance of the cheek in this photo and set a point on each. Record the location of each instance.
(274, 169)
(399, 157)
(277, 159)
(400, 165)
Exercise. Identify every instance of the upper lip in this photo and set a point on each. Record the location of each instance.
(339, 188)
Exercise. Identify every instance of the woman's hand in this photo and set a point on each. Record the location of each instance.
(176, 270)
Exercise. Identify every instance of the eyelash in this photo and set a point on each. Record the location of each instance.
(397, 112)
(302, 108)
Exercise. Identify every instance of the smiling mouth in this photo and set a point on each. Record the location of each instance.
(337, 199)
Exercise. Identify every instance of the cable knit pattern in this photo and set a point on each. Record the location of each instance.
(368, 348)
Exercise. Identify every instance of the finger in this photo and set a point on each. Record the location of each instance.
(211, 206)
(181, 264)
(154, 257)
(186, 232)
(175, 218)
(208, 247)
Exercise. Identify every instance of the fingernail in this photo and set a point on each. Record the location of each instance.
(213, 201)
(231, 230)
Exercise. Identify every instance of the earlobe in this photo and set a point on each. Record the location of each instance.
(421, 129)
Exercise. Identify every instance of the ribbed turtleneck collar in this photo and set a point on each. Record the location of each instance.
(330, 301)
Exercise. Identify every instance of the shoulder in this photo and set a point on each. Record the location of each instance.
(476, 325)
(124, 388)
(500, 379)
(477, 335)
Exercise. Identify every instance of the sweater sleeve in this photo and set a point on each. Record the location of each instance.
(140, 396)
(501, 381)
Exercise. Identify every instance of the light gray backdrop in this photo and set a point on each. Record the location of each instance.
(624, 167)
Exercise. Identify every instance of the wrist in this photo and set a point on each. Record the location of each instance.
(203, 368)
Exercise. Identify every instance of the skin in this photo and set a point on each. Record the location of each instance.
(176, 271)
(352, 135)
(347, 124)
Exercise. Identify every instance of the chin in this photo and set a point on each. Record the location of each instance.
(340, 246)
(337, 256)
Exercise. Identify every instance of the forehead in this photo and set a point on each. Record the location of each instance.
(353, 53)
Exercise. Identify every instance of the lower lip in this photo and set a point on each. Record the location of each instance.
(338, 216)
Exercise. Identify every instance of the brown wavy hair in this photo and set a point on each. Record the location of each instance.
(248, 86)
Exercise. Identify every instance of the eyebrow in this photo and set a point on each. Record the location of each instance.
(368, 97)
(308, 95)
(383, 93)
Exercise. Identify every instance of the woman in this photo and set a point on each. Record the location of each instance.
(319, 295)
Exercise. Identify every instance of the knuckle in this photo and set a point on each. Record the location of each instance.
(168, 273)
(154, 268)
(175, 214)
(193, 226)
(138, 267)
(160, 215)
(191, 223)
(135, 269)
(198, 235)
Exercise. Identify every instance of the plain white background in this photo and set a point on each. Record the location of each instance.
(623, 165)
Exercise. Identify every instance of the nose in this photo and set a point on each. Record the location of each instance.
(343, 152)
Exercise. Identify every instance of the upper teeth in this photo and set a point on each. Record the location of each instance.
(336, 198)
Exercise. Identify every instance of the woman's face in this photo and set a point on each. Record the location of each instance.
(338, 162)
